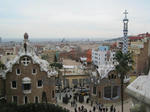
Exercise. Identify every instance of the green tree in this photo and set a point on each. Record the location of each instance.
(123, 66)
(45, 57)
(58, 65)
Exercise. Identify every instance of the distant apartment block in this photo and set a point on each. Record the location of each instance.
(139, 45)
(103, 56)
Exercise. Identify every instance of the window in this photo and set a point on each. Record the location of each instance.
(13, 85)
(25, 61)
(75, 81)
(44, 97)
(39, 83)
(107, 92)
(33, 71)
(53, 94)
(26, 86)
(36, 100)
(115, 91)
(111, 92)
(25, 100)
(94, 89)
(18, 72)
(112, 76)
(14, 99)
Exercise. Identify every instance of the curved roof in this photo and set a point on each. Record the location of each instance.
(44, 65)
(103, 70)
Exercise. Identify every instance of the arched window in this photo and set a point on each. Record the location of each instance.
(44, 97)
(25, 99)
(36, 100)
(112, 76)
(111, 92)
(26, 85)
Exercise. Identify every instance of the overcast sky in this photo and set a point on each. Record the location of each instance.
(72, 18)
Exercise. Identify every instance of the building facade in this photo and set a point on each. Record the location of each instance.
(105, 85)
(89, 55)
(27, 78)
(103, 56)
(74, 76)
(140, 46)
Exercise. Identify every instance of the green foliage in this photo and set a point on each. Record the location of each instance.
(41, 107)
(138, 108)
(125, 62)
(58, 65)
(45, 57)
(2, 66)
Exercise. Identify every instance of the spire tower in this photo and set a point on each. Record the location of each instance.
(125, 32)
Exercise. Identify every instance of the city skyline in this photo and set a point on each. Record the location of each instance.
(70, 18)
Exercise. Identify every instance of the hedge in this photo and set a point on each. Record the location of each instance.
(41, 107)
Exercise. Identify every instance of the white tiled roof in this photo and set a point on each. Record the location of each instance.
(103, 70)
(44, 65)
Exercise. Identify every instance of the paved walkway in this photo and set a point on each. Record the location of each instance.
(127, 106)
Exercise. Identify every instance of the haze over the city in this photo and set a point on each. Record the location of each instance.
(72, 18)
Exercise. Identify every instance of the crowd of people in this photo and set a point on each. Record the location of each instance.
(95, 107)
(98, 108)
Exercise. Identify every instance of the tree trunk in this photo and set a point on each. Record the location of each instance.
(122, 92)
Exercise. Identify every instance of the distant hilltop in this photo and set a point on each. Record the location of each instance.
(114, 39)
(58, 39)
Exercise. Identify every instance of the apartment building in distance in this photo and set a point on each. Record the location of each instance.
(139, 45)
(103, 56)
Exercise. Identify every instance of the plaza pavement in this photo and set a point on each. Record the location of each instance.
(127, 105)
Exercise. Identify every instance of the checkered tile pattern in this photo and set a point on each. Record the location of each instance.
(125, 44)
(125, 31)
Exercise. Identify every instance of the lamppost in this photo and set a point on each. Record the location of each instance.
(60, 84)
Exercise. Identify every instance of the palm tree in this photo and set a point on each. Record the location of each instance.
(123, 66)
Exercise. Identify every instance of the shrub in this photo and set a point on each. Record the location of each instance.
(41, 107)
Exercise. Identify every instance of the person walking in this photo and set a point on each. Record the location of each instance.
(106, 109)
(111, 108)
(75, 110)
(94, 108)
(114, 109)
(79, 109)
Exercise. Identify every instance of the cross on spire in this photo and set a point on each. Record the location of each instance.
(125, 14)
